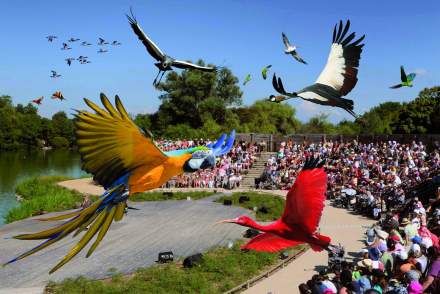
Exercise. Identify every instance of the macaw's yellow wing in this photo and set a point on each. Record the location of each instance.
(110, 143)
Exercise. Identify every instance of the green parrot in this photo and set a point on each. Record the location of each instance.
(265, 70)
(247, 79)
(407, 80)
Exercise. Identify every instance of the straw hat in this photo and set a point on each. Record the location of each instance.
(405, 221)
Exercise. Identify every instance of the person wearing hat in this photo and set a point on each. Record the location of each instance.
(409, 229)
(396, 244)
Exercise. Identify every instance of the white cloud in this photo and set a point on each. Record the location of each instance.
(420, 71)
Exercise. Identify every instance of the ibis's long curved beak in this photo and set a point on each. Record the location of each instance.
(229, 220)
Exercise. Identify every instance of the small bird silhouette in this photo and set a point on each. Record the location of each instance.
(291, 49)
(51, 38)
(69, 60)
(102, 42)
(38, 100)
(55, 74)
(265, 70)
(58, 95)
(116, 43)
(71, 40)
(85, 43)
(102, 50)
(65, 47)
(247, 79)
(407, 80)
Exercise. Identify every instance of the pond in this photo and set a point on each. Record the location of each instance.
(19, 165)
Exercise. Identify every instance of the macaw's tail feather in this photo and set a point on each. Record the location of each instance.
(110, 206)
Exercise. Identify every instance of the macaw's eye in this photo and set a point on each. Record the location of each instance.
(201, 154)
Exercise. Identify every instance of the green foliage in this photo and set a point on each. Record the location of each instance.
(161, 196)
(22, 127)
(59, 142)
(380, 119)
(318, 124)
(273, 203)
(420, 115)
(220, 270)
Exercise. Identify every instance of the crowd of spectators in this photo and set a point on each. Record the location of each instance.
(228, 171)
(401, 253)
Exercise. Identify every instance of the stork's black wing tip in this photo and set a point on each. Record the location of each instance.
(312, 162)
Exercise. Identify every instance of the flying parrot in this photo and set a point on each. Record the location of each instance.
(407, 80)
(265, 70)
(124, 160)
(247, 79)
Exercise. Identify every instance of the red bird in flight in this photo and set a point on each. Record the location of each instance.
(300, 220)
(38, 100)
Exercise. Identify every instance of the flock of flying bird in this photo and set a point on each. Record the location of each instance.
(336, 80)
(69, 60)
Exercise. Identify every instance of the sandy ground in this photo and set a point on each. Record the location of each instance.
(343, 227)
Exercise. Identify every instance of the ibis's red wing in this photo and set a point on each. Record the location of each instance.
(305, 200)
(269, 242)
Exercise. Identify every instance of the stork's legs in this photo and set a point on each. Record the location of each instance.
(155, 79)
(161, 77)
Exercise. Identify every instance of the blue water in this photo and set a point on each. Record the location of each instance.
(19, 165)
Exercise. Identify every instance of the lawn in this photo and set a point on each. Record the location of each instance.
(221, 270)
(272, 203)
(42, 194)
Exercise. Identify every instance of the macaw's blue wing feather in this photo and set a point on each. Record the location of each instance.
(219, 142)
(410, 77)
(224, 148)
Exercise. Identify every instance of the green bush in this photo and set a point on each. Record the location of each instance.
(59, 142)
(273, 203)
(161, 196)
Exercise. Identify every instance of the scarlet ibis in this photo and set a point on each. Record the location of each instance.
(58, 95)
(65, 47)
(265, 70)
(407, 80)
(50, 38)
(165, 62)
(299, 222)
(339, 75)
(38, 100)
(102, 42)
(55, 74)
(291, 49)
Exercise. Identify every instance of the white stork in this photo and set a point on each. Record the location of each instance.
(339, 76)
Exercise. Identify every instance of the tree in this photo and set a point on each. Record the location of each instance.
(62, 126)
(318, 124)
(267, 117)
(380, 119)
(190, 94)
(416, 116)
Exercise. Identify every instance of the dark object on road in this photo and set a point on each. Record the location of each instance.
(227, 202)
(192, 260)
(165, 256)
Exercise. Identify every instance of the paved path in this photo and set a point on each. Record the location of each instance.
(184, 227)
(342, 227)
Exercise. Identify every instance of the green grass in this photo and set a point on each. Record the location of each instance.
(42, 194)
(273, 203)
(221, 270)
(161, 196)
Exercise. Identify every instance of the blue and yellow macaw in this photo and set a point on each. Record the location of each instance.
(125, 161)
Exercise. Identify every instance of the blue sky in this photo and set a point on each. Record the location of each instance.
(243, 35)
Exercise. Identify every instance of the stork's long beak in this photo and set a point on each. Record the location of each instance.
(229, 220)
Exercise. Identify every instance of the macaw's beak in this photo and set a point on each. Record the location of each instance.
(229, 220)
(208, 162)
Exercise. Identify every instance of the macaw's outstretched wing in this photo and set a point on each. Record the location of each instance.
(410, 77)
(110, 143)
(305, 200)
